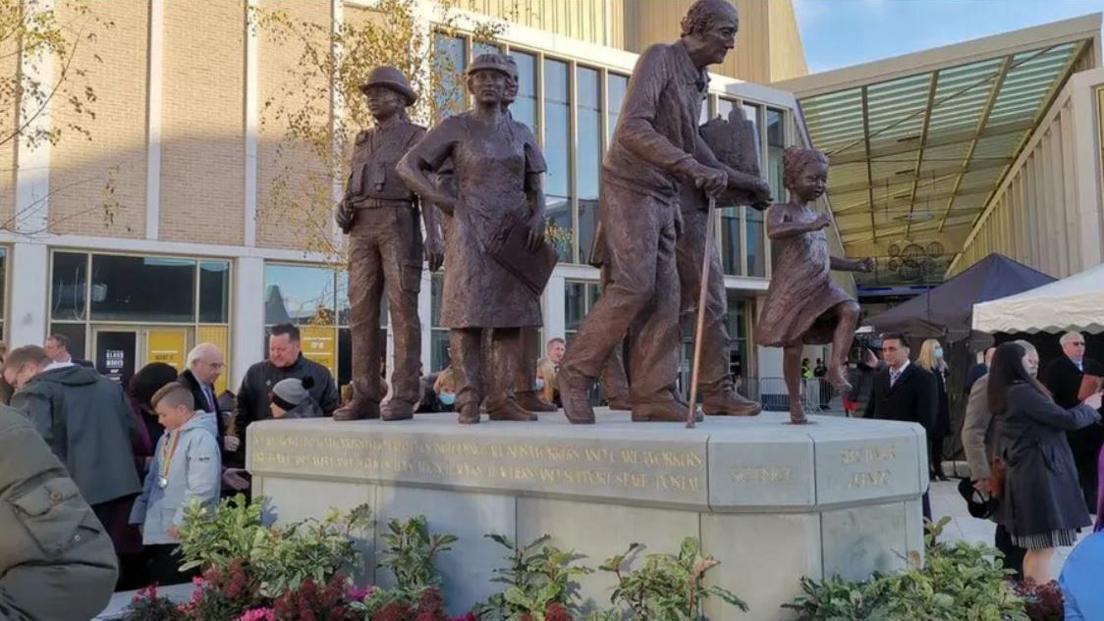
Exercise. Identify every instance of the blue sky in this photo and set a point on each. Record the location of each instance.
(839, 33)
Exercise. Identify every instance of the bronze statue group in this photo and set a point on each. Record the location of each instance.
(482, 171)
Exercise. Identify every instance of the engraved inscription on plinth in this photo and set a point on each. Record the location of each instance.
(863, 469)
(756, 471)
(671, 473)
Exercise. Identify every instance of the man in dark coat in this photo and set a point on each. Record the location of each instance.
(285, 359)
(56, 561)
(977, 371)
(1062, 378)
(204, 367)
(85, 419)
(903, 391)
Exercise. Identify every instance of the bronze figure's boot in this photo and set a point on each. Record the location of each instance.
(574, 393)
(672, 411)
(723, 400)
(469, 414)
(398, 409)
(361, 407)
(530, 401)
(509, 409)
(619, 403)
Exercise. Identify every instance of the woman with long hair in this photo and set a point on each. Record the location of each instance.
(931, 360)
(1041, 504)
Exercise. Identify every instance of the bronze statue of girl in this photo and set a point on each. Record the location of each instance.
(803, 305)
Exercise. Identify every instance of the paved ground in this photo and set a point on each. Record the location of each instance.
(946, 501)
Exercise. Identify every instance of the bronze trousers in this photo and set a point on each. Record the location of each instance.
(499, 362)
(615, 384)
(525, 375)
(385, 253)
(714, 371)
(641, 300)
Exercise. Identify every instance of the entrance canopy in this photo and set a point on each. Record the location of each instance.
(1073, 303)
(919, 143)
(945, 312)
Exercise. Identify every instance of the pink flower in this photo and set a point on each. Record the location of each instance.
(358, 594)
(258, 614)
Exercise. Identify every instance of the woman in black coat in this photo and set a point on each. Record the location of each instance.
(931, 360)
(1041, 505)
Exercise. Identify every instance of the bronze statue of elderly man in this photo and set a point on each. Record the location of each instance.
(655, 148)
(381, 216)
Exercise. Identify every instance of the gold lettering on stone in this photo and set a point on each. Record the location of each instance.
(878, 478)
(868, 455)
(762, 474)
(675, 473)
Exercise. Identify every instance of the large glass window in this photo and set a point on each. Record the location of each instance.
(214, 291)
(732, 254)
(439, 336)
(524, 109)
(776, 145)
(579, 297)
(450, 60)
(69, 285)
(557, 144)
(122, 286)
(737, 325)
(756, 243)
(299, 294)
(616, 84)
(589, 155)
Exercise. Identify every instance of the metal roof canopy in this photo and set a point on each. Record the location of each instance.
(919, 143)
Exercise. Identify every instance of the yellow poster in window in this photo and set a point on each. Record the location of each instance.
(220, 337)
(320, 345)
(167, 345)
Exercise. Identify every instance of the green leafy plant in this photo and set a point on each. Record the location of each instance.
(960, 580)
(409, 553)
(666, 587)
(277, 558)
(213, 539)
(540, 583)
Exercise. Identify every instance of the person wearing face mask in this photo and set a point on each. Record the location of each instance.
(931, 360)
(1041, 504)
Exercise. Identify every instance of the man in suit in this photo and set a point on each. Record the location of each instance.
(1062, 378)
(205, 365)
(903, 391)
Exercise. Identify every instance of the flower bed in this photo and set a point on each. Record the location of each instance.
(253, 572)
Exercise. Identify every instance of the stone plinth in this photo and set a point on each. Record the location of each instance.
(772, 501)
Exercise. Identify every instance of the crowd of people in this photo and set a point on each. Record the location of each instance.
(140, 454)
(1032, 440)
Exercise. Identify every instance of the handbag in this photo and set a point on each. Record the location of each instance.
(997, 473)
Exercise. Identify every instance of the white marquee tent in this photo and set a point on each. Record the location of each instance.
(1073, 303)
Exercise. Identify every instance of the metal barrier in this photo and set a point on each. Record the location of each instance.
(818, 396)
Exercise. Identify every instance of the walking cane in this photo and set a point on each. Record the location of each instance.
(703, 286)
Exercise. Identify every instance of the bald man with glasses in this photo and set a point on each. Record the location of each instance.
(1063, 377)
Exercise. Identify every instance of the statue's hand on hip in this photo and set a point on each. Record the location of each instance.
(344, 216)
